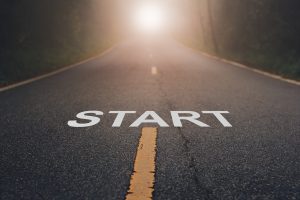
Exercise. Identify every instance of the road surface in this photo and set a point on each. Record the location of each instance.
(258, 158)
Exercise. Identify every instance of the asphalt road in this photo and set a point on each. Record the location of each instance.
(258, 158)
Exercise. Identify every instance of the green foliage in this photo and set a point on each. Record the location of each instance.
(38, 36)
(261, 33)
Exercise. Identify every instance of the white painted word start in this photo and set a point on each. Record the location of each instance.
(92, 118)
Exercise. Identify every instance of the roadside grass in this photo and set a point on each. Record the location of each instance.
(285, 64)
(28, 62)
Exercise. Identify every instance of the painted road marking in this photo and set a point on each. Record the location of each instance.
(62, 69)
(236, 64)
(153, 70)
(142, 179)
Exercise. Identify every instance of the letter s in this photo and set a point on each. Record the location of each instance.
(83, 115)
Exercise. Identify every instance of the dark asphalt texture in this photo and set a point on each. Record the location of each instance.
(258, 158)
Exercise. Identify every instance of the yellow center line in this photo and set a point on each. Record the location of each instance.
(153, 70)
(142, 179)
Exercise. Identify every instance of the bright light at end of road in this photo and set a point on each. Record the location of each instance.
(149, 18)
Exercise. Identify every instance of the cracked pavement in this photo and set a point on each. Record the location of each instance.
(43, 158)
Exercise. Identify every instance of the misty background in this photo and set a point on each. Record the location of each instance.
(38, 36)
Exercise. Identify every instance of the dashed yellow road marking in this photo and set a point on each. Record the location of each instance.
(153, 70)
(142, 179)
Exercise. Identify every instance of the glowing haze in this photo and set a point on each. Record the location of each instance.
(130, 18)
(149, 18)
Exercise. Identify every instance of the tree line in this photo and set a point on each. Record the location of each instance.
(260, 33)
(37, 36)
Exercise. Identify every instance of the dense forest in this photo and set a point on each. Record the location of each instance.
(260, 33)
(38, 36)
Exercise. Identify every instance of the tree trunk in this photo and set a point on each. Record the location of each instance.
(211, 24)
